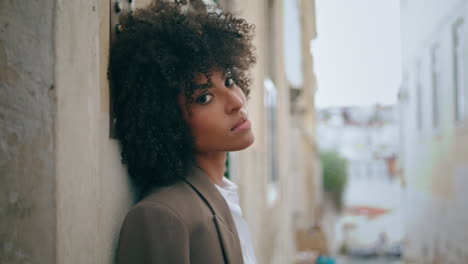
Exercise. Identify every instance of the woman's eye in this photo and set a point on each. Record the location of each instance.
(204, 98)
(229, 82)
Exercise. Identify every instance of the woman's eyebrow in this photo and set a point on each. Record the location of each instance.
(200, 90)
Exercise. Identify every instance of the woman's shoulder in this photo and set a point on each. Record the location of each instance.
(178, 199)
(169, 196)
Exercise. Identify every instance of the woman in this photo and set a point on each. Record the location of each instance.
(180, 81)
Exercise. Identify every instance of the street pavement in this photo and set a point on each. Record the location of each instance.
(376, 260)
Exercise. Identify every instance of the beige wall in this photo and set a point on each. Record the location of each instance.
(27, 136)
(248, 168)
(92, 189)
(273, 225)
(310, 181)
(268, 222)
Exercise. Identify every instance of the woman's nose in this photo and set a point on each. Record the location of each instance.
(235, 101)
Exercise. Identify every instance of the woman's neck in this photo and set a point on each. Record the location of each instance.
(213, 164)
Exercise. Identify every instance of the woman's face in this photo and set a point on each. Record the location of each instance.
(218, 120)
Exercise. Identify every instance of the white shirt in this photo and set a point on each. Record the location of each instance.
(228, 190)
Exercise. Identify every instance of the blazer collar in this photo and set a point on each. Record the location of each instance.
(202, 184)
(222, 217)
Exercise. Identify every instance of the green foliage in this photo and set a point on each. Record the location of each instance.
(226, 167)
(334, 171)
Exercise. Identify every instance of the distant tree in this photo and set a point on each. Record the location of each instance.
(334, 171)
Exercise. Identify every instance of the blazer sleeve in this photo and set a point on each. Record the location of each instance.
(153, 234)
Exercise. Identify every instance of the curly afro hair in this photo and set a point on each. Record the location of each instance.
(152, 62)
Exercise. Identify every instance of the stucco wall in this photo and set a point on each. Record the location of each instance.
(93, 192)
(27, 137)
(63, 190)
(435, 162)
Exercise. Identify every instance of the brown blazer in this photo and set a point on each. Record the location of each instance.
(188, 222)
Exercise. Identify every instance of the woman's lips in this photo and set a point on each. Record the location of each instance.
(242, 126)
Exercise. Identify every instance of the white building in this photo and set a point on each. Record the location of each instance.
(434, 131)
(367, 137)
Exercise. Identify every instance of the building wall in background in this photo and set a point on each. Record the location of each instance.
(276, 208)
(28, 103)
(434, 143)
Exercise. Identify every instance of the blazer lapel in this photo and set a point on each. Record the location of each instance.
(222, 216)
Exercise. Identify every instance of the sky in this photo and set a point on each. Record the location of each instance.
(357, 55)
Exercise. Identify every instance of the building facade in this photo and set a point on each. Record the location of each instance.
(278, 176)
(367, 138)
(434, 129)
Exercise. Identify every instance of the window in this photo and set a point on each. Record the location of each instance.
(270, 103)
(292, 43)
(419, 118)
(270, 47)
(435, 85)
(458, 71)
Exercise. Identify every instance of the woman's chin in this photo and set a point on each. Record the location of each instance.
(246, 142)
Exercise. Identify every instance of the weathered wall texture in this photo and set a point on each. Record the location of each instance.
(27, 136)
(93, 192)
(63, 191)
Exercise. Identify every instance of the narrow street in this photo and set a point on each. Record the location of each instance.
(377, 260)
